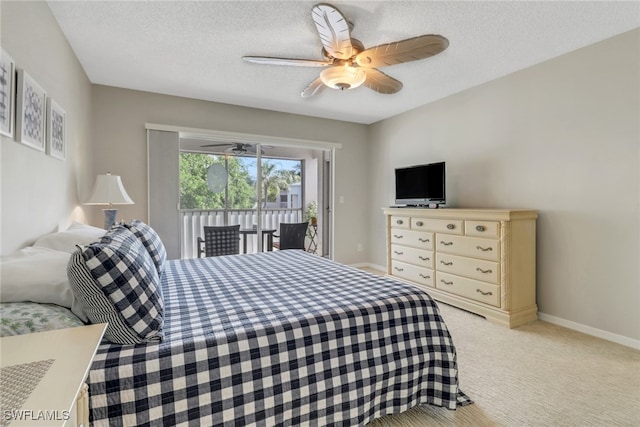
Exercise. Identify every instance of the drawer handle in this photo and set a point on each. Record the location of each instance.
(419, 223)
(423, 240)
(484, 249)
(425, 277)
(442, 242)
(396, 236)
(423, 258)
(446, 263)
(447, 283)
(399, 222)
(398, 269)
(480, 228)
(484, 271)
(484, 293)
(398, 253)
(451, 226)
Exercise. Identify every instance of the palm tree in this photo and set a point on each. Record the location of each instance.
(275, 180)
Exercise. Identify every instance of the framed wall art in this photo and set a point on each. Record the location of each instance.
(56, 130)
(7, 93)
(31, 106)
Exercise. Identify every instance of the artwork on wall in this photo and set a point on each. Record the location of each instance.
(56, 130)
(7, 93)
(31, 112)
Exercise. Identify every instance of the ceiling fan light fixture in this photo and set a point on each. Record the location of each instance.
(343, 78)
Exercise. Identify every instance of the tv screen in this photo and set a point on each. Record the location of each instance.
(421, 185)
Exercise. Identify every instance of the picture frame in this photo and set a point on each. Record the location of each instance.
(56, 130)
(7, 94)
(31, 106)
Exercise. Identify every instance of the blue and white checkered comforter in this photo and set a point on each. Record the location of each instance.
(281, 338)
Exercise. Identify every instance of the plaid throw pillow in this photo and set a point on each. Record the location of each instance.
(151, 242)
(117, 283)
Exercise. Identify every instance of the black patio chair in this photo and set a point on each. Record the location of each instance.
(219, 240)
(292, 235)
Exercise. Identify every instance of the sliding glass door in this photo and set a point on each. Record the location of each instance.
(197, 180)
(228, 189)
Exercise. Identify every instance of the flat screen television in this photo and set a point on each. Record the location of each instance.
(421, 185)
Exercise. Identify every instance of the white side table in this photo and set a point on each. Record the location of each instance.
(52, 401)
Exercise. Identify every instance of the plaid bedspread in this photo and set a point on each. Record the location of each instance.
(278, 339)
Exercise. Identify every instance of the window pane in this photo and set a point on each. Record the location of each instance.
(242, 183)
(281, 183)
(194, 191)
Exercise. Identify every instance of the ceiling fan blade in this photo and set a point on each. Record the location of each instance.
(217, 145)
(403, 51)
(380, 82)
(334, 31)
(286, 61)
(313, 88)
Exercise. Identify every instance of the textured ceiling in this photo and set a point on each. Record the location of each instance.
(194, 49)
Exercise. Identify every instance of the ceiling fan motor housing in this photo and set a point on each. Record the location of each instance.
(343, 75)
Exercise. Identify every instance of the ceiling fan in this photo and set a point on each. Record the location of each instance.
(236, 147)
(347, 63)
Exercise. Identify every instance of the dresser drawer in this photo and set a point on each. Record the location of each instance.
(400, 221)
(469, 288)
(452, 226)
(490, 229)
(415, 256)
(487, 271)
(468, 246)
(418, 239)
(416, 274)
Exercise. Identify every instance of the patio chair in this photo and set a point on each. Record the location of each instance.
(292, 235)
(219, 240)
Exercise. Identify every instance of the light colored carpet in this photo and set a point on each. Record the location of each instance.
(538, 374)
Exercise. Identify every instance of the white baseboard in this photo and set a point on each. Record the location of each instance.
(369, 265)
(609, 336)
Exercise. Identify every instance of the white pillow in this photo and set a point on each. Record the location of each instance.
(38, 274)
(66, 241)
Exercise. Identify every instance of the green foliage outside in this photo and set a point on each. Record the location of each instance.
(195, 194)
(275, 180)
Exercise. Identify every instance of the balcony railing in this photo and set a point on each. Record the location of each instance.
(192, 222)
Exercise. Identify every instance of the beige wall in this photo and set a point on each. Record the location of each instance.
(119, 138)
(561, 137)
(40, 193)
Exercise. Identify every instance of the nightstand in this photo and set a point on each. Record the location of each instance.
(55, 364)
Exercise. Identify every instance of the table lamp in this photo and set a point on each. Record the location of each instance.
(108, 190)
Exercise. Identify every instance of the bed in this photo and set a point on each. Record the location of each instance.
(279, 338)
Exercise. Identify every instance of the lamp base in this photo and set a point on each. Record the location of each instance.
(109, 217)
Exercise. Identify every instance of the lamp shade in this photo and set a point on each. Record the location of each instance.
(343, 78)
(108, 190)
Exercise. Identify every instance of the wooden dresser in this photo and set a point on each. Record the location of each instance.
(481, 260)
